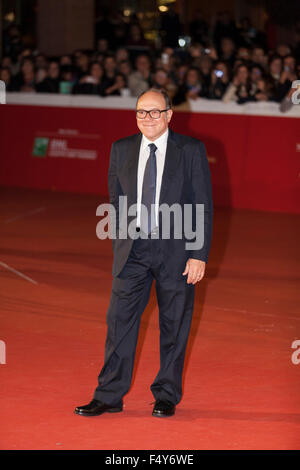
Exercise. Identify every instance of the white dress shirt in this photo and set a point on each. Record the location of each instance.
(161, 144)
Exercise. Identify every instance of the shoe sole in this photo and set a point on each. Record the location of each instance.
(162, 415)
(90, 415)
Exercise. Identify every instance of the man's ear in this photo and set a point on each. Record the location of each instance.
(169, 114)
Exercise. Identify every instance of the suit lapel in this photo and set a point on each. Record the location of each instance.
(132, 168)
(171, 164)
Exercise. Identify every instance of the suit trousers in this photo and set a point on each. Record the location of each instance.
(129, 297)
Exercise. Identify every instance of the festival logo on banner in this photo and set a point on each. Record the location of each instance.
(40, 146)
(66, 143)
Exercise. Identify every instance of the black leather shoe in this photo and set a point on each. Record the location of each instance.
(163, 408)
(96, 408)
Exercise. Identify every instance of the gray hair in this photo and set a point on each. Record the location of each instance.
(161, 92)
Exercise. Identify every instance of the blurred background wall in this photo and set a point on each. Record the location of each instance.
(64, 25)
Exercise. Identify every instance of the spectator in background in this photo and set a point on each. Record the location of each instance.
(283, 50)
(65, 60)
(238, 62)
(53, 76)
(289, 65)
(195, 52)
(227, 50)
(28, 85)
(278, 78)
(13, 67)
(259, 57)
(40, 76)
(99, 57)
(110, 69)
(263, 90)
(110, 66)
(41, 61)
(118, 88)
(67, 79)
(166, 60)
(6, 77)
(124, 67)
(162, 81)
(82, 63)
(180, 74)
(51, 83)
(205, 67)
(7, 62)
(256, 74)
(25, 54)
(92, 83)
(169, 61)
(239, 90)
(275, 67)
(243, 54)
(27, 70)
(288, 75)
(121, 55)
(219, 81)
(191, 87)
(193, 83)
(140, 79)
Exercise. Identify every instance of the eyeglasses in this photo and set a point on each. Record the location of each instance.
(153, 113)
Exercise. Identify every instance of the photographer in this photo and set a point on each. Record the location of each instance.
(219, 81)
(239, 89)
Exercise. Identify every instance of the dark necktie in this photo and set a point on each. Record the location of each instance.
(148, 194)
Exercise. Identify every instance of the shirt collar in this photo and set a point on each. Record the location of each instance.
(160, 143)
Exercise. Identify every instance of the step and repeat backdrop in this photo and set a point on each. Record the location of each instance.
(63, 143)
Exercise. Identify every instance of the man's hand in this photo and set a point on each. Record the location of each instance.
(195, 270)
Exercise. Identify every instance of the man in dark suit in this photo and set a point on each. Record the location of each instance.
(151, 169)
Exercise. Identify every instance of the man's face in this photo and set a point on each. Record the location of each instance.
(153, 128)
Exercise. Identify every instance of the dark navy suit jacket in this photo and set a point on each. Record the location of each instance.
(186, 180)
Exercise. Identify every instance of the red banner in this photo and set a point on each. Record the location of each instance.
(254, 160)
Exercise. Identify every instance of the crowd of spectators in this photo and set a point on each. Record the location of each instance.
(226, 62)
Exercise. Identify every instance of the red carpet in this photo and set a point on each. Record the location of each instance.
(241, 389)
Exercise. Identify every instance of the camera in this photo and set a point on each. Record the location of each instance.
(219, 73)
